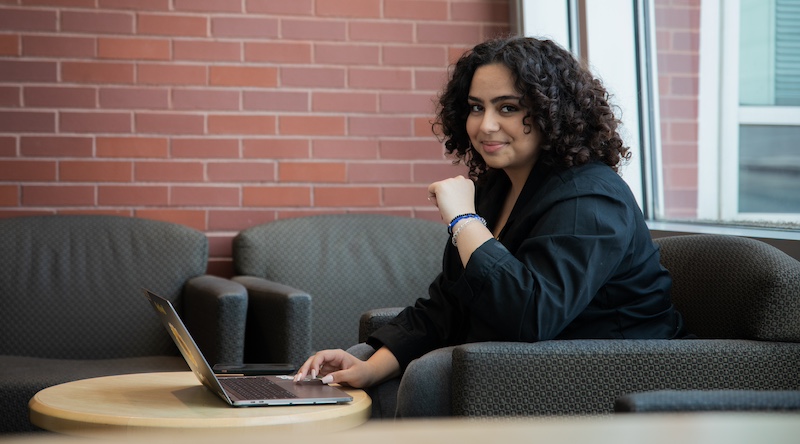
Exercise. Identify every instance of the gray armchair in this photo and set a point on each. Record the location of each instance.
(741, 297)
(341, 265)
(72, 307)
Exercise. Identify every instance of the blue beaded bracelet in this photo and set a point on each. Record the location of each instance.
(461, 217)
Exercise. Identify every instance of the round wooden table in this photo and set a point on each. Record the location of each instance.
(175, 400)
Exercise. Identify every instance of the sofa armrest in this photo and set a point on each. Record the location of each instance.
(278, 322)
(372, 320)
(215, 311)
(709, 401)
(587, 376)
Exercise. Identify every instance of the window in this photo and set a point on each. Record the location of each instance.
(710, 98)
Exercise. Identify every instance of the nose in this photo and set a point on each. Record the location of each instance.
(489, 123)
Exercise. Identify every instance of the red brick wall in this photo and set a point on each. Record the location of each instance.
(223, 114)
(678, 42)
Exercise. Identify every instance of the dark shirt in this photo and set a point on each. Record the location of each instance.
(574, 260)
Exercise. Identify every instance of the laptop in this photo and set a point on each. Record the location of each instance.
(242, 391)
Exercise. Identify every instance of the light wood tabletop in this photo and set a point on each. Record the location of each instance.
(176, 400)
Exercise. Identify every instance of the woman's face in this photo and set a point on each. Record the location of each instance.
(495, 124)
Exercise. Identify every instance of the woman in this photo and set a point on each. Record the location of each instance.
(547, 241)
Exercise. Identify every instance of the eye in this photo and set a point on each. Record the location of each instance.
(508, 109)
(475, 108)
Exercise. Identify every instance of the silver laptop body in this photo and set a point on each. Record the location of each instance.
(242, 391)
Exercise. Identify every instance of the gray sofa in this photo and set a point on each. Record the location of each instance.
(72, 307)
(741, 297)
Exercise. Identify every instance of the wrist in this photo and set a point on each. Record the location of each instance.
(462, 217)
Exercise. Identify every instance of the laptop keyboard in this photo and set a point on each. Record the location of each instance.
(255, 388)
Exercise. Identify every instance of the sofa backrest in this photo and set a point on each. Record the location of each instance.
(733, 287)
(348, 263)
(71, 286)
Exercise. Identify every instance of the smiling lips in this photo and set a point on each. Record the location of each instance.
(490, 146)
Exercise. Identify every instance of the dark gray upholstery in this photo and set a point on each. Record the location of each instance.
(346, 264)
(72, 307)
(741, 297)
(709, 401)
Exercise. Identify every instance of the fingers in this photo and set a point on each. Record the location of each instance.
(313, 365)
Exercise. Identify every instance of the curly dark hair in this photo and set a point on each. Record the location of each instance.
(560, 95)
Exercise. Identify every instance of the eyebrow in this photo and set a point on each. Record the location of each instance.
(496, 99)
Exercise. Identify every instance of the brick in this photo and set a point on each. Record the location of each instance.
(97, 72)
(191, 218)
(435, 171)
(10, 97)
(206, 50)
(685, 86)
(171, 24)
(238, 220)
(683, 64)
(95, 122)
(27, 170)
(205, 148)
(454, 52)
(60, 97)
(416, 10)
(483, 12)
(275, 101)
(381, 31)
(379, 126)
(276, 196)
(244, 27)
(374, 78)
(168, 123)
(266, 77)
(208, 5)
(349, 149)
(345, 102)
(448, 33)
(322, 30)
(312, 77)
(423, 127)
(679, 108)
(430, 80)
(97, 22)
(406, 196)
(29, 19)
(8, 146)
(205, 196)
(55, 146)
(134, 98)
(411, 149)
(168, 171)
(95, 171)
(312, 172)
(163, 74)
(27, 122)
(349, 8)
(135, 147)
(143, 5)
(58, 196)
(312, 125)
(221, 267)
(241, 171)
(241, 124)
(398, 103)
(133, 48)
(205, 99)
(219, 244)
(9, 196)
(346, 196)
(133, 195)
(294, 7)
(9, 45)
(27, 71)
(58, 46)
(61, 3)
(277, 52)
(417, 55)
(379, 172)
(346, 54)
(276, 148)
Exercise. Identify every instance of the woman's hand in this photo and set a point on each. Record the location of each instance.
(343, 368)
(453, 196)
